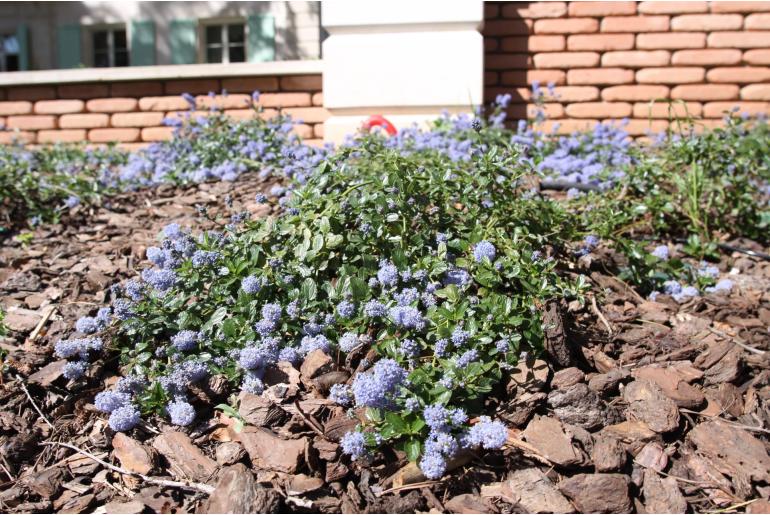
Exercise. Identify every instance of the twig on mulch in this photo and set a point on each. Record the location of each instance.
(737, 341)
(407, 487)
(39, 327)
(32, 401)
(598, 313)
(728, 422)
(188, 485)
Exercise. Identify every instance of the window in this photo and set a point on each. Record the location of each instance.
(225, 43)
(9, 54)
(110, 47)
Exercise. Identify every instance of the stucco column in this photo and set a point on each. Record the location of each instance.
(407, 60)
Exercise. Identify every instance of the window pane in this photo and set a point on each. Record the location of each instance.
(12, 63)
(100, 40)
(10, 45)
(213, 34)
(237, 55)
(235, 33)
(121, 58)
(120, 38)
(101, 60)
(214, 55)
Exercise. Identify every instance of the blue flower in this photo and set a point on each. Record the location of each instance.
(110, 400)
(182, 413)
(375, 309)
(486, 434)
(251, 284)
(124, 418)
(346, 309)
(185, 340)
(161, 280)
(341, 394)
(354, 444)
(484, 250)
(74, 369)
(406, 296)
(661, 252)
(409, 348)
(441, 348)
(460, 337)
(407, 317)
(433, 466)
(435, 416)
(271, 312)
(387, 275)
(467, 358)
(725, 285)
(348, 342)
(252, 384)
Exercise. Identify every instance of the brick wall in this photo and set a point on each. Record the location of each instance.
(130, 113)
(610, 59)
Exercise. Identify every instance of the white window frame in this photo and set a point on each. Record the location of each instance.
(110, 30)
(222, 23)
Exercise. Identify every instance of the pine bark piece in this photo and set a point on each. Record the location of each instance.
(185, 457)
(647, 402)
(547, 435)
(598, 493)
(269, 452)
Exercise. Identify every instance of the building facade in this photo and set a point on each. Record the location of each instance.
(65, 35)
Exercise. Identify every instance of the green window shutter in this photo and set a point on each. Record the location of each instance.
(68, 40)
(260, 42)
(22, 36)
(183, 39)
(142, 43)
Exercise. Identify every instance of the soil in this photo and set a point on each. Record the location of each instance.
(637, 406)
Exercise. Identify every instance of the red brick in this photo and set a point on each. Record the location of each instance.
(491, 78)
(599, 110)
(568, 126)
(739, 7)
(230, 101)
(602, 42)
(601, 8)
(318, 130)
(318, 143)
(301, 83)
(241, 114)
(539, 44)
(636, 58)
(567, 60)
(149, 119)
(31, 122)
(132, 147)
(107, 135)
(551, 110)
(757, 22)
(31, 93)
(515, 44)
(183, 115)
(163, 103)
(69, 136)
(667, 110)
(491, 44)
(534, 9)
(566, 26)
(520, 94)
(112, 105)
(17, 107)
(670, 75)
(491, 10)
(58, 106)
(83, 91)
(635, 93)
(157, 133)
(318, 99)
(507, 28)
(716, 109)
(666, 7)
(84, 121)
(524, 77)
(302, 130)
(136, 89)
(706, 57)
(671, 40)
(590, 76)
(573, 94)
(307, 114)
(640, 127)
(11, 137)
(760, 56)
(191, 86)
(507, 61)
(2, 122)
(705, 92)
(739, 75)
(250, 84)
(285, 100)
(706, 22)
(739, 39)
(756, 92)
(635, 24)
(2, 94)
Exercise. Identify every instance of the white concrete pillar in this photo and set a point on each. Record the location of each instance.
(407, 60)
